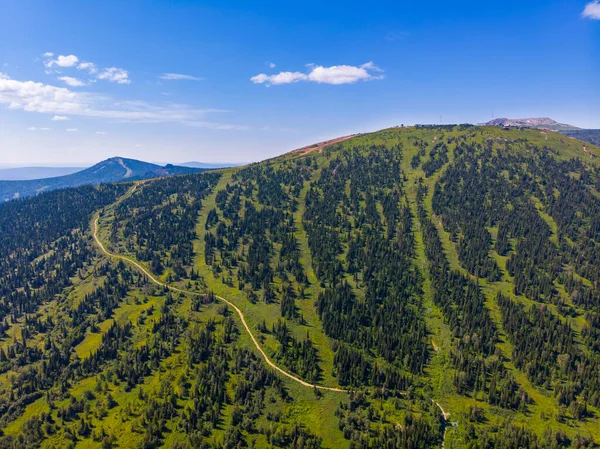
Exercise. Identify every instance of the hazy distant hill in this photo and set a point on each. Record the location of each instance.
(539, 122)
(110, 170)
(28, 173)
(587, 135)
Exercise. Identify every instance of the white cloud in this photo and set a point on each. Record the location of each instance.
(38, 97)
(33, 96)
(115, 75)
(260, 78)
(67, 61)
(89, 66)
(271, 64)
(371, 66)
(33, 128)
(337, 74)
(61, 61)
(71, 130)
(179, 76)
(102, 133)
(592, 10)
(280, 78)
(58, 118)
(70, 81)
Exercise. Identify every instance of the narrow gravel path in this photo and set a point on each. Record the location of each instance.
(220, 298)
(445, 414)
(240, 314)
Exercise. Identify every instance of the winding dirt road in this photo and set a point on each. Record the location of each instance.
(445, 414)
(229, 303)
(240, 314)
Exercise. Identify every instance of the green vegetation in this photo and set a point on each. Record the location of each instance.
(395, 277)
(587, 135)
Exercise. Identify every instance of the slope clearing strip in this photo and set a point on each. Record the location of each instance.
(128, 170)
(229, 303)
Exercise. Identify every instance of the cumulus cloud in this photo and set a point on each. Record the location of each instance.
(71, 130)
(342, 74)
(178, 76)
(592, 10)
(271, 65)
(59, 118)
(66, 61)
(33, 96)
(337, 74)
(61, 61)
(70, 81)
(89, 66)
(115, 75)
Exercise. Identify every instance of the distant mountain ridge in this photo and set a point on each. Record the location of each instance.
(111, 170)
(535, 122)
(587, 135)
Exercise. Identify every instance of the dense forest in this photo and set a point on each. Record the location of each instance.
(405, 289)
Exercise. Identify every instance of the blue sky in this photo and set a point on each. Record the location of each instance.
(243, 81)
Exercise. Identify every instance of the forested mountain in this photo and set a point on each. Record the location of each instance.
(409, 288)
(110, 170)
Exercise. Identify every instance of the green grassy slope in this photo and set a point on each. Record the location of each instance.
(185, 373)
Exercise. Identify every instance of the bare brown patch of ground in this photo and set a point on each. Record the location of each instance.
(319, 146)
